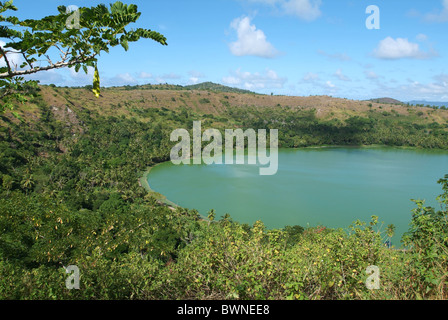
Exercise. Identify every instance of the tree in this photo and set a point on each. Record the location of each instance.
(390, 231)
(211, 216)
(78, 37)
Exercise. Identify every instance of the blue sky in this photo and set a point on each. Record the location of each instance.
(291, 47)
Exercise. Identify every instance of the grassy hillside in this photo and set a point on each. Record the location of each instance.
(214, 87)
(215, 99)
(386, 100)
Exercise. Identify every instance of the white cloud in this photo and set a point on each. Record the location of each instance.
(195, 77)
(251, 41)
(443, 78)
(127, 78)
(48, 77)
(231, 80)
(309, 77)
(81, 74)
(145, 75)
(371, 75)
(269, 2)
(164, 78)
(436, 90)
(193, 80)
(196, 74)
(335, 56)
(170, 75)
(64, 77)
(269, 79)
(121, 79)
(314, 84)
(307, 10)
(421, 37)
(441, 16)
(400, 48)
(338, 74)
(329, 88)
(330, 85)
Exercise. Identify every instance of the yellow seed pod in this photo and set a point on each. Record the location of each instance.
(96, 83)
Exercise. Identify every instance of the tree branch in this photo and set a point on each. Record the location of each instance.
(26, 59)
(9, 73)
(58, 65)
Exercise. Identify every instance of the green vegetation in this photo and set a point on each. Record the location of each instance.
(75, 43)
(70, 195)
(205, 86)
(75, 199)
(302, 128)
(214, 87)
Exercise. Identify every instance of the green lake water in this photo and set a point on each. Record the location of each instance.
(332, 187)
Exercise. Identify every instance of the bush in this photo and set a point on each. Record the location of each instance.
(204, 101)
(427, 240)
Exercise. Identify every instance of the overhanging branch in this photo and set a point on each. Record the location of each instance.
(4, 56)
(57, 65)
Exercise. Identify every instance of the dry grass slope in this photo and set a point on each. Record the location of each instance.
(123, 101)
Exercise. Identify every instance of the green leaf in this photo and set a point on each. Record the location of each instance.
(125, 44)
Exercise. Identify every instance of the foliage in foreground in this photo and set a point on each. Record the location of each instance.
(146, 251)
(75, 200)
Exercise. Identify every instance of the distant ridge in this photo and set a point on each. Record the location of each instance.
(423, 103)
(386, 100)
(205, 86)
(216, 88)
(429, 103)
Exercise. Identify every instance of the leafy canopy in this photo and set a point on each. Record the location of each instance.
(68, 39)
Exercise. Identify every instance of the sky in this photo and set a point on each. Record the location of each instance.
(284, 47)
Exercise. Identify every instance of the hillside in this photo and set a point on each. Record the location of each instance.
(210, 86)
(132, 101)
(386, 100)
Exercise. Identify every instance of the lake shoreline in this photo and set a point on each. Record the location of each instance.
(143, 182)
